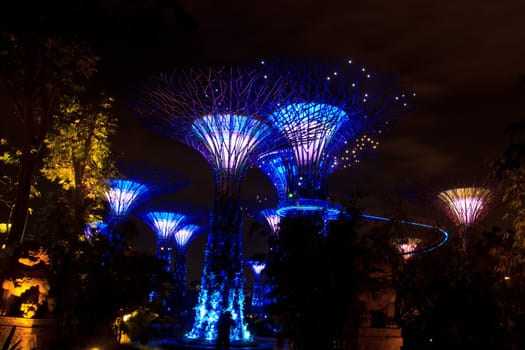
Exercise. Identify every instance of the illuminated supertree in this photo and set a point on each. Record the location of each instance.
(220, 112)
(136, 184)
(340, 106)
(257, 292)
(466, 207)
(182, 238)
(272, 219)
(165, 224)
(123, 195)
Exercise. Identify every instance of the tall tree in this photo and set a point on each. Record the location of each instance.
(311, 278)
(79, 157)
(35, 71)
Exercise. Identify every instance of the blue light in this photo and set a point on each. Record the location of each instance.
(257, 291)
(309, 127)
(444, 234)
(184, 235)
(272, 218)
(124, 195)
(280, 169)
(332, 211)
(164, 223)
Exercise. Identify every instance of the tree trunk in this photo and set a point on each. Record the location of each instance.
(20, 212)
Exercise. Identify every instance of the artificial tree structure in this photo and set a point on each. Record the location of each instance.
(466, 207)
(123, 195)
(132, 188)
(165, 224)
(257, 303)
(341, 106)
(222, 113)
(272, 219)
(182, 239)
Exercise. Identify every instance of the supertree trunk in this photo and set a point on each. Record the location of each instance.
(222, 283)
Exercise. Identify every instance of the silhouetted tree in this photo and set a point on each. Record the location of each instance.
(311, 277)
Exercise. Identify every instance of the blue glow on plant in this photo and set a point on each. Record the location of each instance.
(204, 328)
(230, 139)
(99, 227)
(229, 142)
(124, 195)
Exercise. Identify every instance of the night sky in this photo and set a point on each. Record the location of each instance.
(465, 60)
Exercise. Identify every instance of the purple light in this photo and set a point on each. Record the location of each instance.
(319, 121)
(230, 139)
(272, 218)
(466, 206)
(220, 112)
(280, 167)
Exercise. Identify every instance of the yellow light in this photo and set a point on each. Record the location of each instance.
(506, 278)
(4, 227)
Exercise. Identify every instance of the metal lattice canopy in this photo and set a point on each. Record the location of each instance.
(466, 206)
(336, 100)
(332, 102)
(222, 112)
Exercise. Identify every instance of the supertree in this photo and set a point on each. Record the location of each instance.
(182, 239)
(165, 224)
(466, 207)
(135, 184)
(341, 107)
(257, 267)
(123, 195)
(221, 113)
(272, 219)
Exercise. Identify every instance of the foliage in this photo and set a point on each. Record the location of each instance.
(454, 298)
(10, 160)
(36, 71)
(510, 171)
(78, 153)
(94, 282)
(309, 274)
(508, 246)
(133, 325)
